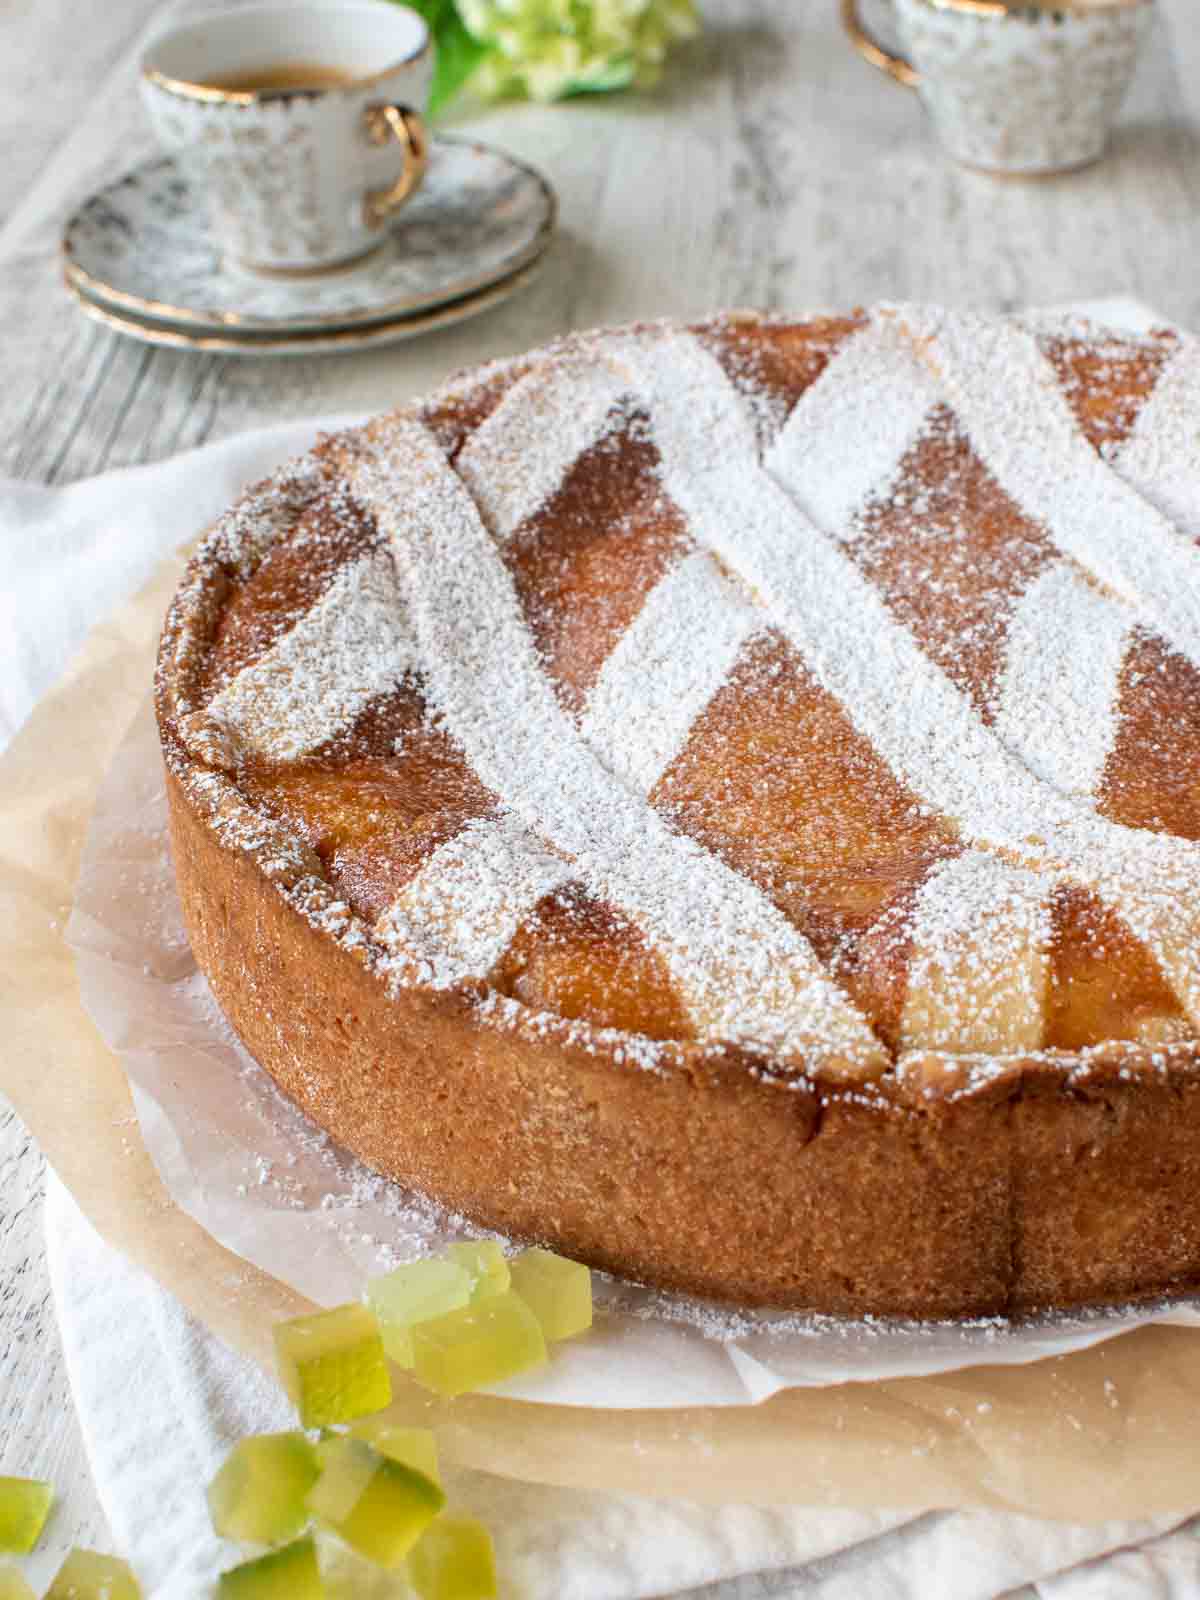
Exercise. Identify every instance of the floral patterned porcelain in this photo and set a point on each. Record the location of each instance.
(143, 246)
(1017, 88)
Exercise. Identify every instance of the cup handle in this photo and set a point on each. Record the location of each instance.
(401, 123)
(895, 66)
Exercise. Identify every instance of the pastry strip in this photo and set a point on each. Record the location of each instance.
(744, 972)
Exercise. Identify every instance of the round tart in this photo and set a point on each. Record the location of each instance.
(724, 801)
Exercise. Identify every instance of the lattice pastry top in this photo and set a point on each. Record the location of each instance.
(830, 689)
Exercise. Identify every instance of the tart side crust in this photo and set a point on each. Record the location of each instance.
(941, 1184)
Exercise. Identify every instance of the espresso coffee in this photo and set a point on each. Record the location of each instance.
(287, 75)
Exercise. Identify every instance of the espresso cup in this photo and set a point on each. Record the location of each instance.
(301, 122)
(1012, 86)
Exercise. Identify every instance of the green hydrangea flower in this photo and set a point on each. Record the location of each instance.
(548, 49)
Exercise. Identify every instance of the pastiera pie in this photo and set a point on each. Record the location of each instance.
(725, 802)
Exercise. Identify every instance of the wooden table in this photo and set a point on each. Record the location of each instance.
(773, 168)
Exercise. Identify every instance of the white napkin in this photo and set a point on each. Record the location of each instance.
(160, 1401)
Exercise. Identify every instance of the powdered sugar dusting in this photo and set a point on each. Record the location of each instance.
(829, 611)
(354, 644)
(1161, 457)
(929, 734)
(665, 669)
(967, 993)
(1037, 451)
(874, 397)
(1057, 704)
(247, 530)
(458, 915)
(519, 456)
(745, 972)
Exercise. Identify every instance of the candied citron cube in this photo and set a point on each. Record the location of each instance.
(415, 1293)
(332, 1365)
(258, 1495)
(13, 1585)
(88, 1575)
(484, 1260)
(415, 1447)
(453, 1560)
(380, 1507)
(24, 1506)
(557, 1291)
(287, 1574)
(485, 1342)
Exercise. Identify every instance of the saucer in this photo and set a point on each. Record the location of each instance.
(142, 248)
(332, 341)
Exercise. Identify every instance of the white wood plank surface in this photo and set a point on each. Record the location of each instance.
(773, 168)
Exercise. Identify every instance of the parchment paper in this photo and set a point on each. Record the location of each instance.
(247, 1165)
(1107, 1432)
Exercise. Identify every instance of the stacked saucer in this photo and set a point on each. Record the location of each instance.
(139, 257)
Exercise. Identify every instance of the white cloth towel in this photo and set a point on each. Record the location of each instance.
(160, 1401)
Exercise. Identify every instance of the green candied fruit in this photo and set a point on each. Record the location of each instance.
(453, 1560)
(484, 1260)
(414, 1293)
(24, 1506)
(288, 1574)
(87, 1575)
(415, 1447)
(380, 1507)
(333, 1366)
(13, 1585)
(557, 1291)
(482, 1344)
(258, 1495)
